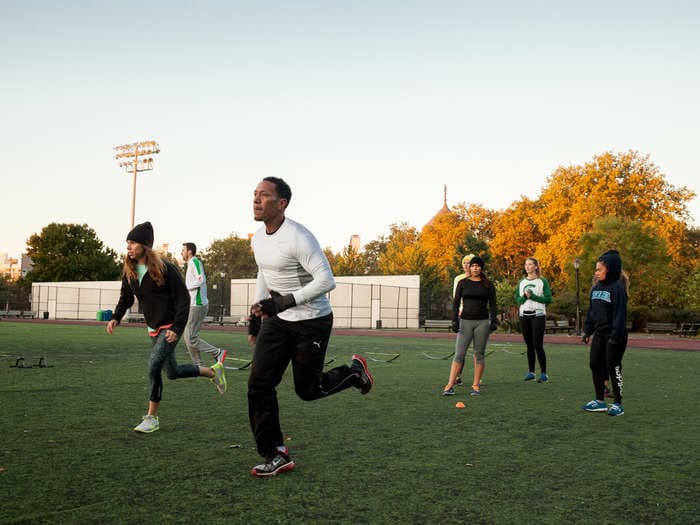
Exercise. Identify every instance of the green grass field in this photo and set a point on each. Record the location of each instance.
(521, 453)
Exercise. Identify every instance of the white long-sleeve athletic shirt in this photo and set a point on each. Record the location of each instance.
(196, 282)
(290, 261)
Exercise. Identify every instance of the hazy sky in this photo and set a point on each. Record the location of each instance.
(365, 108)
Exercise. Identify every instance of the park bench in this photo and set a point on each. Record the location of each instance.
(134, 317)
(552, 326)
(440, 324)
(667, 328)
(689, 329)
(19, 314)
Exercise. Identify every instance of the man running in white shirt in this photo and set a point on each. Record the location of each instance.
(196, 282)
(291, 321)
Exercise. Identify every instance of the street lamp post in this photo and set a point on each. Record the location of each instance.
(577, 265)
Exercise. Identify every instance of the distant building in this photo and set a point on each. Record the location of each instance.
(442, 211)
(355, 244)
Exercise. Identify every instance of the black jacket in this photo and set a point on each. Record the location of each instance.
(607, 313)
(161, 305)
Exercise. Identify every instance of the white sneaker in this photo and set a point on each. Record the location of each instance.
(148, 425)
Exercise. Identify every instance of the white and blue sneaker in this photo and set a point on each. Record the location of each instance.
(616, 410)
(448, 392)
(595, 406)
(529, 376)
(543, 378)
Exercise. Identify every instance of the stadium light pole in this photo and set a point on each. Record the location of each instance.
(577, 265)
(222, 274)
(137, 157)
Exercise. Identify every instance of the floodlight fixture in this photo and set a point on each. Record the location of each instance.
(136, 158)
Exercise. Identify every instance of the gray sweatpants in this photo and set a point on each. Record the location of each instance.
(472, 331)
(193, 342)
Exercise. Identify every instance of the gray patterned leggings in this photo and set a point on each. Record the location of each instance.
(163, 357)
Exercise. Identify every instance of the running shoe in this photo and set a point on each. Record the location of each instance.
(543, 378)
(280, 462)
(219, 378)
(458, 381)
(595, 406)
(148, 425)
(616, 410)
(222, 356)
(475, 391)
(359, 366)
(448, 392)
(529, 376)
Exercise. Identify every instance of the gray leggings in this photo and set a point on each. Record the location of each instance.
(163, 357)
(470, 330)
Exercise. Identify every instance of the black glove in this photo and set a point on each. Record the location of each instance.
(493, 326)
(254, 323)
(277, 303)
(584, 339)
(455, 326)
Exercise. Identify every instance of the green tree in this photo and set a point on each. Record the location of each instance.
(233, 256)
(691, 292)
(645, 258)
(70, 252)
(373, 252)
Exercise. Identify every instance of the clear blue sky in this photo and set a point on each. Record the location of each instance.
(365, 108)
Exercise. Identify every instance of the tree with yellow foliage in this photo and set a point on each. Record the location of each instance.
(624, 185)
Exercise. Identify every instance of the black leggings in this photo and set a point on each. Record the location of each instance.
(606, 361)
(533, 333)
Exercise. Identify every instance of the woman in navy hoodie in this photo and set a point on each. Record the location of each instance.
(606, 323)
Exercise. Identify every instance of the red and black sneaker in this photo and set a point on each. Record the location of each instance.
(222, 355)
(359, 366)
(280, 462)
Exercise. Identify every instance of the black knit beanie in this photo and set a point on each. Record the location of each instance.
(477, 260)
(142, 234)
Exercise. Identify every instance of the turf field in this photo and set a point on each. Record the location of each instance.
(521, 453)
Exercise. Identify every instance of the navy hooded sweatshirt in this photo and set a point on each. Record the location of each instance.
(607, 313)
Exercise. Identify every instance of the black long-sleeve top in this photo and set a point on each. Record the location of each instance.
(161, 305)
(478, 300)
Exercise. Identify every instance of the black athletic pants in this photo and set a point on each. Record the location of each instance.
(303, 343)
(606, 361)
(533, 333)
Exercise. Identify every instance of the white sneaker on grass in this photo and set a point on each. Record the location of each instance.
(148, 425)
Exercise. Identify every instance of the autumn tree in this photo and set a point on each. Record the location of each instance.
(349, 262)
(441, 240)
(624, 185)
(70, 252)
(404, 255)
(516, 237)
(478, 219)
